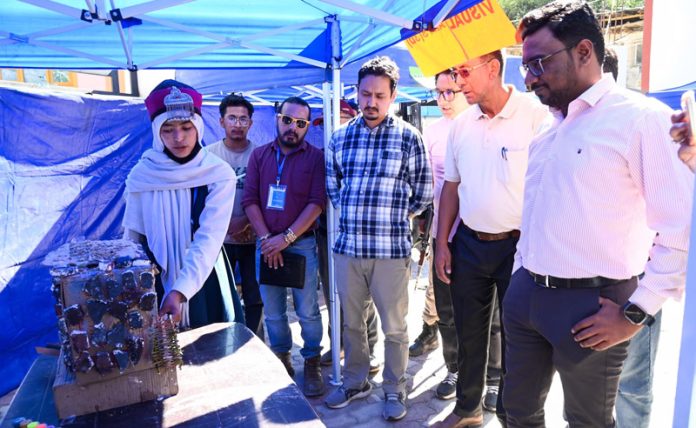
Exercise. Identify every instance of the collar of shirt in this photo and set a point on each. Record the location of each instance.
(388, 122)
(589, 98)
(508, 109)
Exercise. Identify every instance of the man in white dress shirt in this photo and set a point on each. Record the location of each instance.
(604, 191)
(484, 184)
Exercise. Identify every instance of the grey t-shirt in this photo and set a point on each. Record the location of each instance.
(238, 161)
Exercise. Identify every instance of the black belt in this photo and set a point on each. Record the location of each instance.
(554, 282)
(485, 236)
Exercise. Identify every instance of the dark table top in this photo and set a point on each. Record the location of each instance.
(230, 379)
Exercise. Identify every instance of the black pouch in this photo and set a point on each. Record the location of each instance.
(291, 274)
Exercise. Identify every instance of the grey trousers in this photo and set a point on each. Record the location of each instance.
(537, 324)
(384, 281)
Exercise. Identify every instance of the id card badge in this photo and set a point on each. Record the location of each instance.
(276, 196)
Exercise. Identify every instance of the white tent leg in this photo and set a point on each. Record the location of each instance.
(333, 100)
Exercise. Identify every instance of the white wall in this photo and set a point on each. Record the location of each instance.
(672, 59)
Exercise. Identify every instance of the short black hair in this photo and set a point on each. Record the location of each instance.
(235, 100)
(611, 63)
(381, 66)
(569, 22)
(299, 101)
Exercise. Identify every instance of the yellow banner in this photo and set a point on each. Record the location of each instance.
(481, 29)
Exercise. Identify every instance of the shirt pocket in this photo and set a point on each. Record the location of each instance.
(512, 165)
(391, 163)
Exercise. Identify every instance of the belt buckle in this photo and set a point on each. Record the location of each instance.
(547, 283)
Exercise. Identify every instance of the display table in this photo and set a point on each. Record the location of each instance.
(230, 378)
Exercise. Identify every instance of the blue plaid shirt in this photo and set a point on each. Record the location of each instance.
(377, 178)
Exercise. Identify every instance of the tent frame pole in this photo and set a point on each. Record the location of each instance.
(332, 109)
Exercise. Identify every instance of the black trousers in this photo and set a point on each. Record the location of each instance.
(245, 256)
(494, 369)
(323, 256)
(537, 323)
(445, 314)
(480, 270)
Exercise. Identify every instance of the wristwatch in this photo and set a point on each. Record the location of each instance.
(637, 316)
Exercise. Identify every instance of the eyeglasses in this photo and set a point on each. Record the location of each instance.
(536, 66)
(288, 120)
(241, 121)
(465, 72)
(447, 94)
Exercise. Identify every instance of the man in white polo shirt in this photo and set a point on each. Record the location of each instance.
(484, 181)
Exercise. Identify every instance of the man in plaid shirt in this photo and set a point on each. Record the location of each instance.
(378, 174)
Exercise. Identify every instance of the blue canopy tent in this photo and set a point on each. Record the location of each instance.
(268, 86)
(89, 156)
(265, 87)
(672, 97)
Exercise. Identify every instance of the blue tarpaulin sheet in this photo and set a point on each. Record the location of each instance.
(63, 164)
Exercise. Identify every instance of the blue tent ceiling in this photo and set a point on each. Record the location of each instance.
(199, 34)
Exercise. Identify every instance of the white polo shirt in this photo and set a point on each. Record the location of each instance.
(488, 158)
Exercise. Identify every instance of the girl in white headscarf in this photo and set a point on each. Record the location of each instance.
(178, 204)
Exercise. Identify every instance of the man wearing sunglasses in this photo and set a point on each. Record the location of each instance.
(379, 176)
(485, 165)
(284, 194)
(235, 149)
(604, 192)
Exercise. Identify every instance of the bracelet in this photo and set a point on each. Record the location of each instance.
(289, 236)
(264, 237)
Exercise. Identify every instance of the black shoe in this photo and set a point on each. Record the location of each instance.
(490, 398)
(313, 385)
(425, 342)
(448, 387)
(286, 359)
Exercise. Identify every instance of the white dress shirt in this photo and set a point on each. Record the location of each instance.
(601, 182)
(435, 139)
(488, 158)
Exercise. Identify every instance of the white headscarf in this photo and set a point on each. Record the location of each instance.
(158, 205)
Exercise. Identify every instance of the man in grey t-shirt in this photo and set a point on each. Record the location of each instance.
(235, 149)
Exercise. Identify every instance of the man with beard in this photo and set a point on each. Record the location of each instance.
(378, 174)
(235, 149)
(284, 194)
(604, 192)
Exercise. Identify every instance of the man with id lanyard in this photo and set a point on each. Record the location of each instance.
(284, 194)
